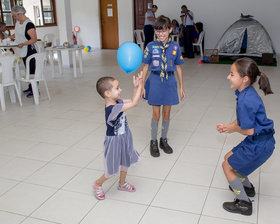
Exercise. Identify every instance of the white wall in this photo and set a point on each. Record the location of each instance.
(41, 31)
(87, 17)
(218, 15)
(126, 18)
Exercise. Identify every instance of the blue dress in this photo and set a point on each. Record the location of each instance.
(255, 149)
(118, 144)
(162, 91)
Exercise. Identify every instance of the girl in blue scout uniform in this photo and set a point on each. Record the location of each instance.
(162, 57)
(119, 151)
(251, 121)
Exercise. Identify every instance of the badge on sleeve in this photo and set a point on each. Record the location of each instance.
(146, 51)
(181, 57)
(156, 63)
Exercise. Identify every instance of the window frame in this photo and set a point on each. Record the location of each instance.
(14, 2)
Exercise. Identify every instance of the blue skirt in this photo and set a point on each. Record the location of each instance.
(251, 154)
(161, 91)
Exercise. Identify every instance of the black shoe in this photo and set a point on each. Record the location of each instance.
(30, 94)
(27, 91)
(154, 148)
(164, 145)
(250, 191)
(239, 206)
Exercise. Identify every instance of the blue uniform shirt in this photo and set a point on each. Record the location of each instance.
(152, 56)
(250, 111)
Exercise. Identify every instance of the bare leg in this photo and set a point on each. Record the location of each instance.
(122, 177)
(101, 180)
(166, 112)
(156, 113)
(230, 173)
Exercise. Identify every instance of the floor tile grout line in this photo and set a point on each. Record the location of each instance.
(168, 172)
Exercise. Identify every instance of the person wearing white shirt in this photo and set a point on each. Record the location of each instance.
(188, 32)
(150, 19)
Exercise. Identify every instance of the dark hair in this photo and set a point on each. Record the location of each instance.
(162, 23)
(177, 24)
(183, 6)
(248, 67)
(103, 84)
(155, 6)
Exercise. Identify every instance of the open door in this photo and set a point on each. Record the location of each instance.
(109, 24)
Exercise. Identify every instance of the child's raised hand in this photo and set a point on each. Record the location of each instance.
(137, 81)
(220, 128)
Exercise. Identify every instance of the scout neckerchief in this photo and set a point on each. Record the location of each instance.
(163, 48)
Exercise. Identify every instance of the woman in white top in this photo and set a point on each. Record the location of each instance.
(26, 37)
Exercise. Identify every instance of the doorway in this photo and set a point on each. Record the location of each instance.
(140, 9)
(109, 24)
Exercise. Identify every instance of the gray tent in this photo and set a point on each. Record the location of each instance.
(245, 37)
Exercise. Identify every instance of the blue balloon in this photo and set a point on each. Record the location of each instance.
(129, 57)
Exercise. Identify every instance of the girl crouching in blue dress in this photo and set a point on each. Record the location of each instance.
(119, 151)
(251, 121)
(163, 58)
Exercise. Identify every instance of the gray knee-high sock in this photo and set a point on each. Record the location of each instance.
(238, 189)
(165, 126)
(244, 180)
(154, 127)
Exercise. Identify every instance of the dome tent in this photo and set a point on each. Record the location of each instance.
(245, 37)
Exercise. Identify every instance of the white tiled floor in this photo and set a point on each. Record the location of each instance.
(50, 154)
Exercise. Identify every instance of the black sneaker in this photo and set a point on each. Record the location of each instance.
(164, 146)
(27, 91)
(250, 191)
(239, 206)
(30, 94)
(154, 148)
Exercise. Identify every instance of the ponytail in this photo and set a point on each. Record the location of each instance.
(264, 84)
(248, 67)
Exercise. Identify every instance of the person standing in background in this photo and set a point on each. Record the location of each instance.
(26, 37)
(188, 32)
(150, 19)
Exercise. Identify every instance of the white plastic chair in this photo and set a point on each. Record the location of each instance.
(50, 39)
(175, 38)
(199, 42)
(139, 38)
(8, 80)
(38, 76)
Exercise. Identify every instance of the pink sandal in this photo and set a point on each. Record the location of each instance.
(126, 187)
(98, 192)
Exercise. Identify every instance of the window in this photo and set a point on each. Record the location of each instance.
(41, 12)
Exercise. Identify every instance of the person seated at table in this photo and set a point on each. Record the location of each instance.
(4, 32)
(175, 27)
